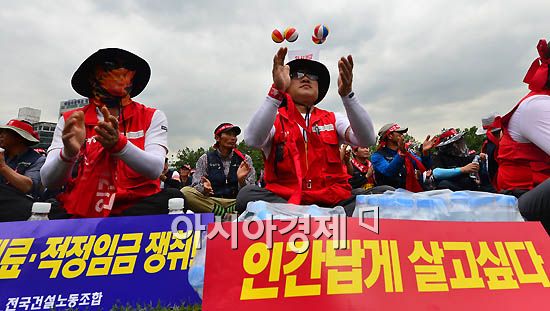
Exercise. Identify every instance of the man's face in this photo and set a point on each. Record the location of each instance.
(117, 81)
(363, 152)
(395, 137)
(8, 139)
(227, 139)
(303, 89)
(184, 172)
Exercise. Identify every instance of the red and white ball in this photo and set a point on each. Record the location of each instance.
(277, 36)
(320, 32)
(291, 34)
(317, 40)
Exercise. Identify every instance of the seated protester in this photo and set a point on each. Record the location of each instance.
(116, 145)
(169, 178)
(524, 148)
(362, 179)
(300, 141)
(19, 170)
(396, 166)
(360, 168)
(490, 146)
(220, 174)
(185, 175)
(453, 167)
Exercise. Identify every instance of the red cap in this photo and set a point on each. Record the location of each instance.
(226, 127)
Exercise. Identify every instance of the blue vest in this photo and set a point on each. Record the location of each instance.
(223, 186)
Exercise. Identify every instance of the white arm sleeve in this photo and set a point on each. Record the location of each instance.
(55, 172)
(531, 122)
(362, 129)
(149, 162)
(260, 129)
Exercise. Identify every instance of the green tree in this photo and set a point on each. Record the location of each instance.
(256, 155)
(473, 141)
(189, 156)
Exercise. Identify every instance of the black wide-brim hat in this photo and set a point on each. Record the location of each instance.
(81, 77)
(451, 139)
(314, 67)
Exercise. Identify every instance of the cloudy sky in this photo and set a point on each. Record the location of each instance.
(423, 64)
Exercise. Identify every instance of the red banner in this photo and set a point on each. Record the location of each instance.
(409, 265)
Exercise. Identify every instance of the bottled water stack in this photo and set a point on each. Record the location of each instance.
(443, 205)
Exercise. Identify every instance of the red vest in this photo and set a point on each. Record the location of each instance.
(306, 173)
(131, 187)
(521, 165)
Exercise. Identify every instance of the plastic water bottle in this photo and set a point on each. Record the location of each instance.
(460, 207)
(315, 211)
(40, 211)
(475, 175)
(175, 206)
(484, 208)
(425, 209)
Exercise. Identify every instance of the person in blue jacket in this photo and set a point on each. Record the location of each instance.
(396, 166)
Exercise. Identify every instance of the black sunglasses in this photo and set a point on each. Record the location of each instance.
(301, 74)
(112, 65)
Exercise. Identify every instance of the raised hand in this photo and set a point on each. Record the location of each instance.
(428, 144)
(345, 76)
(107, 130)
(345, 154)
(401, 144)
(243, 171)
(207, 186)
(74, 134)
(281, 72)
(2, 159)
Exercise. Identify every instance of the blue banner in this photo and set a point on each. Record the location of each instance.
(97, 263)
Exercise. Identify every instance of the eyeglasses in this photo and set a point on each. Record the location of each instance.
(300, 75)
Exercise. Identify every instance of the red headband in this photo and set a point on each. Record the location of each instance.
(537, 75)
(223, 128)
(382, 142)
(24, 126)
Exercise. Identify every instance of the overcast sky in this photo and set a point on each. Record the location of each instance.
(424, 64)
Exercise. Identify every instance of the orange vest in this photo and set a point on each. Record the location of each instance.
(520, 165)
(306, 173)
(131, 186)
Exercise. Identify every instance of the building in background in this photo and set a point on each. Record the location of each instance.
(72, 104)
(45, 131)
(29, 114)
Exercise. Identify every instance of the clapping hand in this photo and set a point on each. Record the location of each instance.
(74, 134)
(107, 130)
